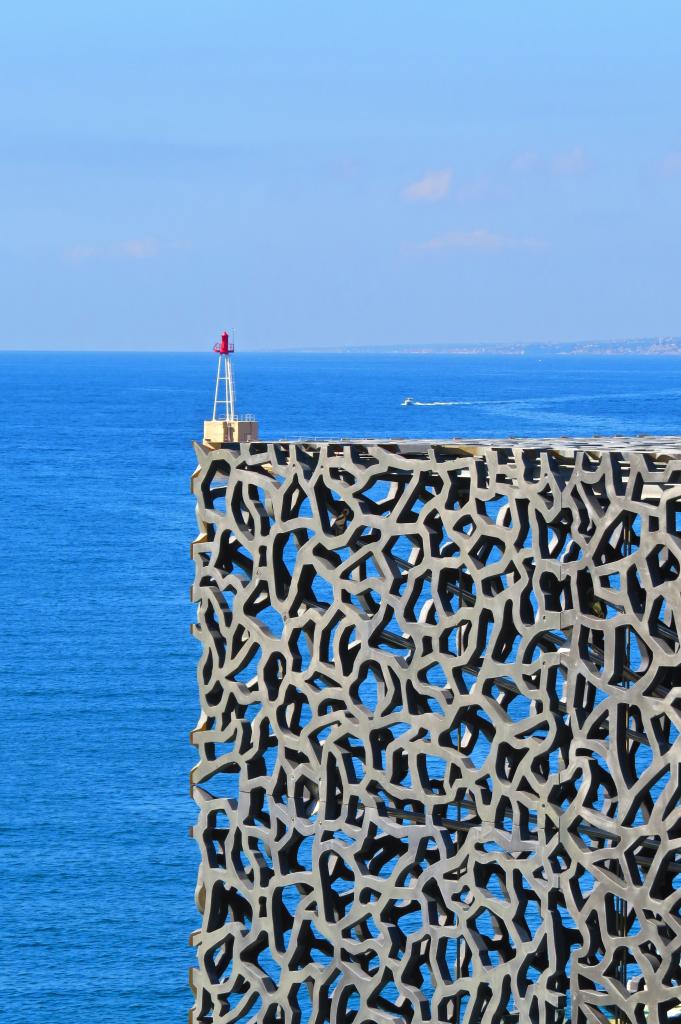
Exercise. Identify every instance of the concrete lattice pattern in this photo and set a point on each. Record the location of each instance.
(438, 772)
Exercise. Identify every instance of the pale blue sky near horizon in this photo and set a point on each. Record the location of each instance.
(321, 175)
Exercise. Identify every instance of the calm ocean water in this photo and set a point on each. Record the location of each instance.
(98, 687)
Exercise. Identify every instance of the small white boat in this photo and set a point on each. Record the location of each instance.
(408, 401)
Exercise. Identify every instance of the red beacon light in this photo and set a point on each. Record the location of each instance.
(224, 347)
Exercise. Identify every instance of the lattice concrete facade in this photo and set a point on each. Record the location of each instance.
(438, 772)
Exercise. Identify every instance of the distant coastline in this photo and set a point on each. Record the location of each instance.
(670, 346)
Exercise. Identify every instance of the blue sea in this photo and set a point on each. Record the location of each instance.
(98, 675)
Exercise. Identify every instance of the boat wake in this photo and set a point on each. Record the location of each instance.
(542, 400)
(471, 401)
(443, 403)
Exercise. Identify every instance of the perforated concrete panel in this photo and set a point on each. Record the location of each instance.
(438, 774)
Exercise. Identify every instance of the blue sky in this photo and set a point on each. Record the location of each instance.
(329, 175)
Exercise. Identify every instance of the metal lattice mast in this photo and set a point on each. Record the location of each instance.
(224, 348)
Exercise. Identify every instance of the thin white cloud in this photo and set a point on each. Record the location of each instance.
(128, 249)
(137, 248)
(81, 253)
(478, 240)
(572, 161)
(431, 188)
(483, 187)
(525, 162)
(671, 165)
(565, 163)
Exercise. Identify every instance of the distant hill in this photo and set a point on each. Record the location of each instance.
(623, 347)
(670, 346)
